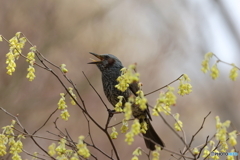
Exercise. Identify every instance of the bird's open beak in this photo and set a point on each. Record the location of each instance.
(100, 57)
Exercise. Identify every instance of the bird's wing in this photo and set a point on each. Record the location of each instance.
(134, 88)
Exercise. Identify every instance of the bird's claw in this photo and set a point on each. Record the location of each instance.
(111, 112)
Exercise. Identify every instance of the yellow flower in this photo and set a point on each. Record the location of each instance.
(170, 98)
(206, 152)
(61, 148)
(51, 149)
(178, 125)
(16, 147)
(224, 146)
(155, 154)
(65, 115)
(31, 57)
(163, 103)
(205, 62)
(231, 157)
(114, 133)
(2, 150)
(127, 77)
(61, 103)
(144, 127)
(140, 99)
(129, 137)
(136, 126)
(232, 138)
(214, 72)
(215, 157)
(31, 73)
(11, 65)
(184, 87)
(233, 73)
(127, 110)
(137, 152)
(1, 39)
(124, 127)
(63, 68)
(82, 148)
(70, 89)
(118, 106)
(195, 151)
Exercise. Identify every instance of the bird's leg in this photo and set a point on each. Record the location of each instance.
(112, 112)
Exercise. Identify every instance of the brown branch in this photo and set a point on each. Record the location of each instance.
(163, 86)
(201, 127)
(45, 121)
(18, 122)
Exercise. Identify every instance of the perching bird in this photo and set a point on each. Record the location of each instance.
(110, 67)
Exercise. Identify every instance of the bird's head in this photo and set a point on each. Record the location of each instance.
(106, 61)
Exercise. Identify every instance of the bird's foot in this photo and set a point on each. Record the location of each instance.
(111, 112)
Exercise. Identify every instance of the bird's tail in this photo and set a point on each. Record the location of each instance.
(150, 136)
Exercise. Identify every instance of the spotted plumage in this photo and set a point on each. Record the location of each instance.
(110, 67)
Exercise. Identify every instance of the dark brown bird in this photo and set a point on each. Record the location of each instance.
(110, 67)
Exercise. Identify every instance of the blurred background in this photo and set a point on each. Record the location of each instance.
(165, 39)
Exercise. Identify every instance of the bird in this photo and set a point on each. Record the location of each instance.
(110, 67)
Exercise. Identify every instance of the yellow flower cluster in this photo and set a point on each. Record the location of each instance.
(70, 89)
(124, 127)
(31, 59)
(185, 87)
(60, 149)
(155, 154)
(206, 152)
(137, 152)
(15, 148)
(231, 157)
(82, 148)
(205, 62)
(11, 65)
(215, 157)
(195, 151)
(233, 73)
(232, 138)
(164, 102)
(51, 149)
(141, 100)
(118, 106)
(178, 125)
(31, 55)
(7, 138)
(114, 133)
(221, 133)
(63, 107)
(135, 130)
(61, 152)
(127, 77)
(31, 73)
(3, 142)
(16, 44)
(127, 110)
(214, 72)
(144, 127)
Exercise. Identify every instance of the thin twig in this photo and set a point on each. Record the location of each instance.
(45, 121)
(95, 90)
(163, 86)
(201, 127)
